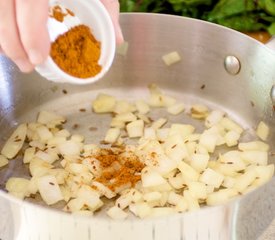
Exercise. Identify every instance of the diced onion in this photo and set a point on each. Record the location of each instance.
(15, 142)
(179, 167)
(171, 58)
(122, 48)
(262, 131)
(104, 103)
(116, 213)
(3, 161)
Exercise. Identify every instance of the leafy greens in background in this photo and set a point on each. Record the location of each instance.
(242, 15)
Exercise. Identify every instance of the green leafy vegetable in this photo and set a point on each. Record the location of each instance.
(245, 23)
(242, 15)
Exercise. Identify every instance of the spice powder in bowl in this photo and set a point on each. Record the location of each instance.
(77, 52)
(59, 14)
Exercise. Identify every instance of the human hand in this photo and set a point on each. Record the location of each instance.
(112, 6)
(24, 37)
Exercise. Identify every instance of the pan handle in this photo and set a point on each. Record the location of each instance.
(271, 43)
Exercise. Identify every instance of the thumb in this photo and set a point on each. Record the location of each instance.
(112, 6)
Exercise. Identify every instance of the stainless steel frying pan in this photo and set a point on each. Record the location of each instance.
(237, 74)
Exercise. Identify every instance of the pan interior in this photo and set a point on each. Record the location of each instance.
(77, 108)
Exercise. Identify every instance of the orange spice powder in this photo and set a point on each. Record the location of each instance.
(119, 169)
(77, 52)
(58, 13)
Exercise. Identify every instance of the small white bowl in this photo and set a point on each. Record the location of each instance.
(92, 14)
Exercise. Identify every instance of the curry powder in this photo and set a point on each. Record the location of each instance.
(119, 170)
(77, 52)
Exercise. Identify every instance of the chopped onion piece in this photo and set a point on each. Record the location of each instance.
(15, 142)
(126, 117)
(262, 131)
(142, 107)
(63, 133)
(233, 158)
(37, 144)
(209, 141)
(211, 177)
(90, 197)
(264, 174)
(75, 205)
(149, 133)
(76, 168)
(171, 58)
(135, 129)
(255, 157)
(122, 48)
(3, 161)
(46, 157)
(50, 118)
(199, 111)
(77, 138)
(256, 145)
(162, 134)
(214, 118)
(116, 123)
(220, 197)
(188, 172)
(104, 103)
(174, 198)
(229, 182)
(152, 197)
(49, 189)
(232, 138)
(197, 190)
(159, 123)
(151, 178)
(192, 202)
(246, 179)
(183, 129)
(144, 118)
(56, 140)
(182, 206)
(176, 108)
(18, 187)
(176, 153)
(230, 125)
(178, 181)
(199, 161)
(123, 107)
(141, 209)
(112, 135)
(39, 167)
(117, 213)
(69, 148)
(44, 134)
(104, 190)
(157, 99)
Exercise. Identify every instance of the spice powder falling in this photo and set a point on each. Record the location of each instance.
(77, 52)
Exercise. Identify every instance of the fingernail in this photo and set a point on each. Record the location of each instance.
(24, 65)
(35, 57)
